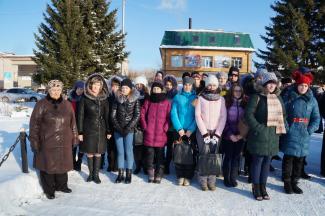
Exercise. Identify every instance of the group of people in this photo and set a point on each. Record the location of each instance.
(133, 122)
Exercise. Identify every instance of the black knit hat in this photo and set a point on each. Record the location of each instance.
(186, 74)
(232, 69)
(127, 82)
(157, 84)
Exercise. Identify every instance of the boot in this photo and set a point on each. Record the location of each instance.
(212, 183)
(226, 176)
(264, 193)
(102, 161)
(233, 177)
(288, 187)
(96, 170)
(151, 175)
(257, 192)
(159, 172)
(78, 165)
(180, 181)
(226, 182)
(186, 182)
(90, 161)
(295, 187)
(120, 176)
(137, 167)
(128, 177)
(166, 170)
(203, 182)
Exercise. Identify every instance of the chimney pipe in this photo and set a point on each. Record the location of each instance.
(190, 23)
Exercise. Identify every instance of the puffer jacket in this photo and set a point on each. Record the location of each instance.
(234, 114)
(296, 141)
(93, 119)
(210, 113)
(53, 132)
(126, 112)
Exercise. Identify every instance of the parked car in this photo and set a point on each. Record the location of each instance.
(20, 95)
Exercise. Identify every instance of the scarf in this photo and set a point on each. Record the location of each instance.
(275, 114)
(157, 97)
(210, 95)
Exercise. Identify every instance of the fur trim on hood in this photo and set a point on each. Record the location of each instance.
(134, 95)
(172, 79)
(109, 82)
(102, 95)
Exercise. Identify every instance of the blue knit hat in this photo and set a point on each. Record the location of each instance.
(268, 77)
(79, 84)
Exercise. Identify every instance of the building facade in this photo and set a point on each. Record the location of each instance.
(205, 51)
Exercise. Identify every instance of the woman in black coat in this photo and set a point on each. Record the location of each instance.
(322, 113)
(93, 123)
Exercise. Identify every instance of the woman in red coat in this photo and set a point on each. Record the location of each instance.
(154, 118)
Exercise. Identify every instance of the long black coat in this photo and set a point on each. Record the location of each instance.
(322, 112)
(126, 112)
(93, 120)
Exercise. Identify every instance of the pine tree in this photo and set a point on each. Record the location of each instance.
(296, 37)
(107, 44)
(62, 42)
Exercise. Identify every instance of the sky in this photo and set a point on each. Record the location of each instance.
(145, 23)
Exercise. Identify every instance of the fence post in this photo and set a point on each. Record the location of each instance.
(23, 148)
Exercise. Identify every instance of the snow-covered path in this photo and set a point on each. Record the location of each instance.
(21, 194)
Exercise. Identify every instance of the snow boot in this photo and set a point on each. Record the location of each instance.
(264, 193)
(288, 187)
(90, 161)
(128, 177)
(295, 188)
(97, 165)
(120, 176)
(180, 181)
(256, 189)
(151, 175)
(186, 182)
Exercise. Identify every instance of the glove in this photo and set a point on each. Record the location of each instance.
(206, 138)
(214, 139)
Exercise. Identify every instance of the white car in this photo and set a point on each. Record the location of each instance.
(20, 95)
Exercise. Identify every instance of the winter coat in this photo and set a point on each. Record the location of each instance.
(126, 112)
(234, 113)
(74, 99)
(210, 113)
(93, 120)
(261, 140)
(183, 111)
(296, 141)
(155, 118)
(52, 133)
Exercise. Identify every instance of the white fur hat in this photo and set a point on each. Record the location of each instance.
(211, 80)
(141, 80)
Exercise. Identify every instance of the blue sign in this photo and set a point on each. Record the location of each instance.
(7, 76)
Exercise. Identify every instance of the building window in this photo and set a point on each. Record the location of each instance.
(206, 61)
(237, 40)
(195, 39)
(177, 61)
(212, 40)
(237, 62)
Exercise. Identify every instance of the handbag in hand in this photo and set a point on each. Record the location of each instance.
(138, 137)
(210, 160)
(183, 152)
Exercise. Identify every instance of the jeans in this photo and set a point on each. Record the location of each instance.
(260, 167)
(124, 146)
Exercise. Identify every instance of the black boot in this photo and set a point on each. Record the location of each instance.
(97, 164)
(234, 176)
(91, 168)
(102, 161)
(264, 193)
(137, 167)
(295, 188)
(257, 192)
(78, 165)
(120, 176)
(128, 177)
(166, 170)
(288, 187)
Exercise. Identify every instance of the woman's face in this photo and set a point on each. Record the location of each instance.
(168, 86)
(158, 77)
(188, 87)
(237, 93)
(115, 87)
(156, 90)
(222, 81)
(212, 87)
(79, 91)
(270, 87)
(96, 87)
(139, 86)
(55, 92)
(125, 90)
(302, 88)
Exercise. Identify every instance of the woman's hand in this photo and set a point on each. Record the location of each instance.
(109, 136)
(81, 138)
(188, 134)
(181, 133)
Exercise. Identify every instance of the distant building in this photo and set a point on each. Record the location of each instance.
(16, 70)
(205, 51)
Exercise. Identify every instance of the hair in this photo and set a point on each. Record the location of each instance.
(94, 80)
(229, 96)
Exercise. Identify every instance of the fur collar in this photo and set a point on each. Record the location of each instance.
(133, 96)
(102, 95)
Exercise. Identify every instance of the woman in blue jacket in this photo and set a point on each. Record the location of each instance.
(303, 119)
(183, 119)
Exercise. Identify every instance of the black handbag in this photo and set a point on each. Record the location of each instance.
(138, 137)
(210, 160)
(183, 152)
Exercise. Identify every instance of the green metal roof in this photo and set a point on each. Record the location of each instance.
(209, 39)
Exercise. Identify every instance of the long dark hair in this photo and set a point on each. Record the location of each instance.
(229, 96)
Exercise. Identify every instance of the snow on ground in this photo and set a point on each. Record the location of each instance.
(21, 194)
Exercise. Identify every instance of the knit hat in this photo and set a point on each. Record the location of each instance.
(222, 74)
(186, 74)
(188, 80)
(55, 83)
(211, 80)
(195, 74)
(141, 80)
(268, 77)
(259, 72)
(302, 75)
(79, 84)
(127, 82)
(157, 84)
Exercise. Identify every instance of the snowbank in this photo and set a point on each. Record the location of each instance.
(16, 110)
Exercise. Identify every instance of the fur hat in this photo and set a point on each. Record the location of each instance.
(302, 75)
(211, 80)
(157, 84)
(222, 74)
(141, 80)
(268, 77)
(55, 83)
(196, 74)
(127, 82)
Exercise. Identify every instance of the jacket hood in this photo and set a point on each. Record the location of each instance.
(134, 95)
(172, 79)
(293, 93)
(102, 95)
(109, 82)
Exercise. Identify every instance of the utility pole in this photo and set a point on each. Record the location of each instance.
(123, 28)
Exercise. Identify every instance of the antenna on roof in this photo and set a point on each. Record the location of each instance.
(190, 23)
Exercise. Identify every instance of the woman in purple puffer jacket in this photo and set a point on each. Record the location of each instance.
(232, 141)
(154, 119)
